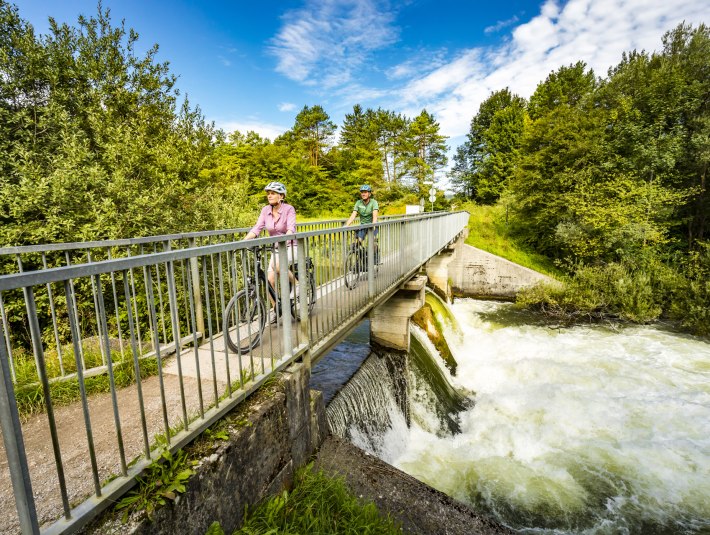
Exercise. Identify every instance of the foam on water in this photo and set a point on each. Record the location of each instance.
(579, 430)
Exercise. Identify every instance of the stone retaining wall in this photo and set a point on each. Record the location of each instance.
(276, 433)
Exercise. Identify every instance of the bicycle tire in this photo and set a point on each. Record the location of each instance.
(352, 270)
(244, 333)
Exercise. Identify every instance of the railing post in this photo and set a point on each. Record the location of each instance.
(371, 263)
(196, 292)
(303, 284)
(285, 298)
(15, 448)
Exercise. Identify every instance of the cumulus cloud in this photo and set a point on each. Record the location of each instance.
(593, 31)
(327, 40)
(287, 106)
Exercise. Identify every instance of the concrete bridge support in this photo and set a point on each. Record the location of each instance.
(437, 270)
(465, 271)
(389, 322)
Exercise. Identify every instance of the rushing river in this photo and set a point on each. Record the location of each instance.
(575, 430)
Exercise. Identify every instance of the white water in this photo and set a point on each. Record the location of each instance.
(580, 430)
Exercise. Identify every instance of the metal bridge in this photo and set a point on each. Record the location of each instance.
(113, 351)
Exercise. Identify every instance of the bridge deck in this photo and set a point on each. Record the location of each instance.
(217, 369)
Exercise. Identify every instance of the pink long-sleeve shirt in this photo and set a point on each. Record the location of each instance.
(286, 223)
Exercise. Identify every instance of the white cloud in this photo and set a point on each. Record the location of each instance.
(324, 42)
(287, 106)
(267, 130)
(498, 26)
(593, 31)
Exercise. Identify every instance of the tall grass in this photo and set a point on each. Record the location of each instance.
(317, 504)
(488, 230)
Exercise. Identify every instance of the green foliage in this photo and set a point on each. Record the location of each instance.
(161, 482)
(317, 504)
(568, 86)
(489, 230)
(641, 290)
(484, 164)
(606, 174)
(215, 529)
(93, 144)
(690, 301)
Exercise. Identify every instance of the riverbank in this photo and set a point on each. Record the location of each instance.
(419, 507)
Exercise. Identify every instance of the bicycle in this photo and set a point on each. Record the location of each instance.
(245, 316)
(356, 262)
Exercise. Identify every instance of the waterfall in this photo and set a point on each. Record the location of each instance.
(366, 411)
(431, 392)
(393, 390)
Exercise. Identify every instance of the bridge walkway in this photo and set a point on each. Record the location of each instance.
(70, 463)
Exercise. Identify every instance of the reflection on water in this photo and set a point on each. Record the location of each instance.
(577, 430)
(340, 364)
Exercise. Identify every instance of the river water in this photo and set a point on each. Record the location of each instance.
(577, 430)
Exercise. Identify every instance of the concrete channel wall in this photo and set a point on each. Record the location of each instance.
(476, 273)
(274, 434)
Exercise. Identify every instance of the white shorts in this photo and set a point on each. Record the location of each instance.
(291, 253)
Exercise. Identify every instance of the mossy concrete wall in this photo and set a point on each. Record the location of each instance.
(477, 273)
(273, 435)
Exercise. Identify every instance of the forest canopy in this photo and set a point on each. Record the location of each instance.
(596, 169)
(96, 143)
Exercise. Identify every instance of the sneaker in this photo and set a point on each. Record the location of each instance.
(273, 319)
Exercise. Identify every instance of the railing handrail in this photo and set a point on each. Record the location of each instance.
(162, 238)
(25, 279)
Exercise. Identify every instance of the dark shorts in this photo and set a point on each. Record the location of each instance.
(362, 233)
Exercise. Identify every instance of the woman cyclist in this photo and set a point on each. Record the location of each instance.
(278, 218)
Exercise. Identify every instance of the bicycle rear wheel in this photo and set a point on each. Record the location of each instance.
(310, 298)
(352, 269)
(244, 322)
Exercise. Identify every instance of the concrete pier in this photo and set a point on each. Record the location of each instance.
(389, 322)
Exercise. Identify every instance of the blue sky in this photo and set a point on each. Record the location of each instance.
(253, 65)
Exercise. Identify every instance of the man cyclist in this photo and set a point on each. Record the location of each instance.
(367, 208)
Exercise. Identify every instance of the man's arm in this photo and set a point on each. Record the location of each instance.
(352, 218)
(375, 213)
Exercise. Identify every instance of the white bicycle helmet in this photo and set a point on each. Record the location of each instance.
(278, 187)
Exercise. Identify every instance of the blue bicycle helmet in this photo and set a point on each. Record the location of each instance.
(278, 187)
(365, 187)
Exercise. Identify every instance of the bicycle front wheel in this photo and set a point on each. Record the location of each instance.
(352, 270)
(244, 322)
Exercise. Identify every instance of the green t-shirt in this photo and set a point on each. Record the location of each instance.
(365, 210)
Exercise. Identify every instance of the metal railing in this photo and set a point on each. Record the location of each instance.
(136, 347)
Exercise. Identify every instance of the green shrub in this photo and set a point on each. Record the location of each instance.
(640, 291)
(690, 304)
(317, 504)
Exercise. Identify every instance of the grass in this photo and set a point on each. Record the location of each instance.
(317, 504)
(29, 393)
(489, 231)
